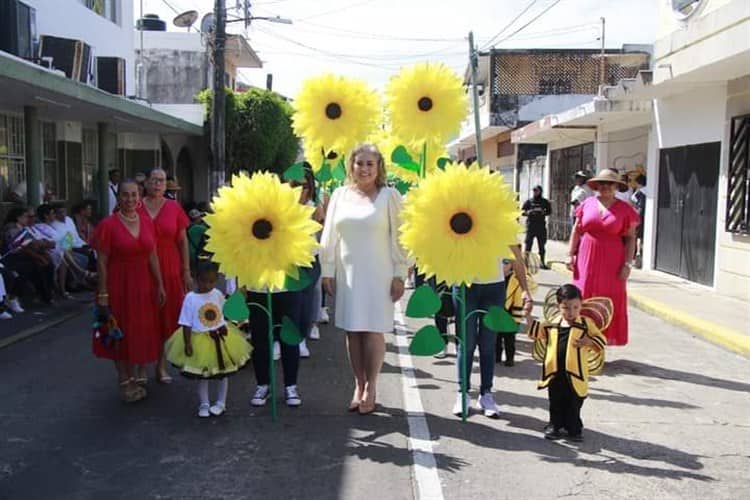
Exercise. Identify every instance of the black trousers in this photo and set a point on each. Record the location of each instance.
(564, 405)
(284, 304)
(447, 308)
(540, 233)
(505, 341)
(42, 277)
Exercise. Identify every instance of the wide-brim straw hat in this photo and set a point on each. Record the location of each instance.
(605, 175)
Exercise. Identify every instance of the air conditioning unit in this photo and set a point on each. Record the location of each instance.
(110, 74)
(71, 56)
(18, 29)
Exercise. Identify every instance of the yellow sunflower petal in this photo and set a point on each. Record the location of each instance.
(258, 230)
(457, 223)
(426, 102)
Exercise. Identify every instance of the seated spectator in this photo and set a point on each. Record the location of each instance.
(71, 242)
(25, 257)
(82, 215)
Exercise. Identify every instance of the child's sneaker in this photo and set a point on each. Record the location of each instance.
(276, 350)
(292, 396)
(315, 333)
(260, 396)
(441, 354)
(304, 352)
(486, 403)
(324, 316)
(457, 409)
(217, 409)
(203, 410)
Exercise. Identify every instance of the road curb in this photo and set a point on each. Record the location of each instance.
(41, 327)
(717, 334)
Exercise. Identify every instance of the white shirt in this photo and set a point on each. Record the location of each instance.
(112, 192)
(67, 234)
(578, 194)
(624, 196)
(195, 307)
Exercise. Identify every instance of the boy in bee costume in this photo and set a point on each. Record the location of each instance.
(207, 346)
(571, 347)
(514, 307)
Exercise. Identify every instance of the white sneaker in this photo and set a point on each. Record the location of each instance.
(292, 396)
(442, 354)
(315, 333)
(324, 316)
(276, 350)
(457, 410)
(203, 411)
(5, 315)
(260, 396)
(217, 409)
(15, 306)
(486, 403)
(304, 352)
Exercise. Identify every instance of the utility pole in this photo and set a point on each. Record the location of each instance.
(474, 63)
(218, 103)
(602, 66)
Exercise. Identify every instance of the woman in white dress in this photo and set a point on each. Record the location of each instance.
(364, 266)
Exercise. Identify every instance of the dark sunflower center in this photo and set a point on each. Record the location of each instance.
(424, 104)
(333, 111)
(332, 155)
(210, 315)
(461, 223)
(262, 229)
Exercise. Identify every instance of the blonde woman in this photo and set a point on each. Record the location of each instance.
(364, 266)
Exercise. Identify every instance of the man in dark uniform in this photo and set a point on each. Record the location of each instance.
(536, 210)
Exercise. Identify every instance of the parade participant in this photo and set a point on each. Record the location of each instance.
(624, 192)
(638, 200)
(602, 246)
(126, 245)
(579, 192)
(170, 223)
(196, 236)
(364, 266)
(209, 347)
(565, 370)
(482, 295)
(536, 209)
(514, 306)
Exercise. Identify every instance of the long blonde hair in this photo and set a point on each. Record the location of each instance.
(380, 180)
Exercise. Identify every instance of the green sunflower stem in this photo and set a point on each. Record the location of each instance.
(423, 163)
(271, 364)
(464, 355)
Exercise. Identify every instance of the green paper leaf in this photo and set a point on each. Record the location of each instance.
(498, 319)
(324, 174)
(403, 159)
(292, 284)
(442, 162)
(423, 303)
(402, 187)
(235, 308)
(339, 171)
(427, 342)
(295, 173)
(289, 333)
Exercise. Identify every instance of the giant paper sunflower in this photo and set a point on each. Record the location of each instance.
(458, 222)
(426, 102)
(260, 232)
(386, 143)
(335, 113)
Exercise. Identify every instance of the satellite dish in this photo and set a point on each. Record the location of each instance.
(186, 19)
(208, 23)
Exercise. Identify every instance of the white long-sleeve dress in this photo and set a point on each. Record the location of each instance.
(360, 248)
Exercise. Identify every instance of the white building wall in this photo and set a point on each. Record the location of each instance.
(669, 22)
(71, 19)
(693, 117)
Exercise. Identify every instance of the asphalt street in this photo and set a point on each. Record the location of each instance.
(669, 418)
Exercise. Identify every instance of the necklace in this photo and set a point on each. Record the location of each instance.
(132, 218)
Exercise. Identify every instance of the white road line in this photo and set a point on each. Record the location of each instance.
(425, 471)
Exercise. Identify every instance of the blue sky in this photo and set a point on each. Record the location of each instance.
(372, 39)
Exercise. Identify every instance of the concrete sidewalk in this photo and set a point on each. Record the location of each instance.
(718, 318)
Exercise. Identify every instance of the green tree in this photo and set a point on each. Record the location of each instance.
(259, 134)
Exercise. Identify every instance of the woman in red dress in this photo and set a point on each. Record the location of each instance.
(170, 222)
(602, 248)
(126, 243)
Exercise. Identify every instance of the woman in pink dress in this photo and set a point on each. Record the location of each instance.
(170, 222)
(602, 248)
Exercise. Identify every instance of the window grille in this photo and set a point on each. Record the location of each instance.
(12, 153)
(738, 185)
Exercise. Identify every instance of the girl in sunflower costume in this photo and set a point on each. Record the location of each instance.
(209, 347)
(570, 346)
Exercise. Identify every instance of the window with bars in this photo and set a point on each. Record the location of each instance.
(12, 154)
(738, 188)
(90, 160)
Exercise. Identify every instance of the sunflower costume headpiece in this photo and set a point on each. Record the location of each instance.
(334, 113)
(426, 102)
(458, 222)
(260, 232)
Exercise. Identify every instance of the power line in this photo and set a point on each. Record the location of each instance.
(529, 23)
(336, 11)
(526, 9)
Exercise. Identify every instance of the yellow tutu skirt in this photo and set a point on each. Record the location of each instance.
(212, 358)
